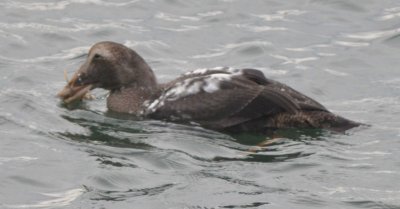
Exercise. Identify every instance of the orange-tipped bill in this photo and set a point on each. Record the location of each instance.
(72, 92)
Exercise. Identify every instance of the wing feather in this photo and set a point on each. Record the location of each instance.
(245, 96)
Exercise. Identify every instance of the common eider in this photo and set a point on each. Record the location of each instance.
(222, 98)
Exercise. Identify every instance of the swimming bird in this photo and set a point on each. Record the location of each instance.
(222, 98)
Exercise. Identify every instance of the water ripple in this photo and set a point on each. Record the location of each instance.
(43, 6)
(175, 18)
(148, 43)
(77, 52)
(390, 14)
(255, 28)
(184, 28)
(83, 156)
(59, 199)
(370, 198)
(369, 36)
(335, 72)
(5, 34)
(374, 100)
(295, 61)
(231, 47)
(77, 27)
(281, 15)
(16, 159)
(210, 13)
(124, 195)
(63, 55)
(352, 44)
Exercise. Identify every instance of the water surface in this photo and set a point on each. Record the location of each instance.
(343, 53)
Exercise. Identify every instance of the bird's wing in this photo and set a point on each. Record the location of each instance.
(212, 98)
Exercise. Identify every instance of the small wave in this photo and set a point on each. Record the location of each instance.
(123, 195)
(390, 13)
(288, 60)
(7, 35)
(167, 60)
(270, 71)
(148, 44)
(58, 199)
(281, 15)
(335, 72)
(392, 83)
(352, 44)
(312, 49)
(365, 197)
(64, 54)
(386, 172)
(324, 54)
(16, 159)
(210, 14)
(374, 153)
(300, 49)
(227, 48)
(247, 43)
(31, 114)
(179, 18)
(44, 6)
(372, 35)
(254, 28)
(77, 27)
(81, 51)
(175, 18)
(208, 55)
(373, 100)
(184, 28)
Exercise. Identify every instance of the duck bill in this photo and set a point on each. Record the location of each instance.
(72, 92)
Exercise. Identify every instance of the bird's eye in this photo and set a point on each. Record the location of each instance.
(97, 56)
(79, 80)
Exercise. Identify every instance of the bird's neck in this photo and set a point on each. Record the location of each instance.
(129, 99)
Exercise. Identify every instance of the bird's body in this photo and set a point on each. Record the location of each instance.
(220, 98)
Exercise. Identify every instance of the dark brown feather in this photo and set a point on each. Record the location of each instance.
(220, 98)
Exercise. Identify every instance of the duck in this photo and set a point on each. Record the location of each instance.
(222, 98)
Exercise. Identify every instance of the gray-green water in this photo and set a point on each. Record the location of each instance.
(343, 53)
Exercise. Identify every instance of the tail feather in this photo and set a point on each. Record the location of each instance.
(312, 119)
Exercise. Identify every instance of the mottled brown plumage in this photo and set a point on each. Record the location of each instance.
(220, 98)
